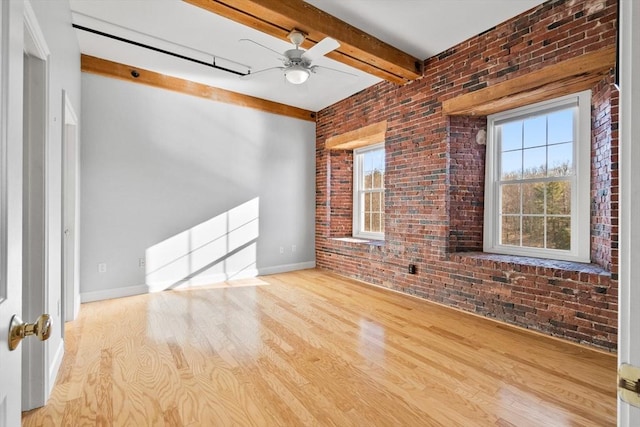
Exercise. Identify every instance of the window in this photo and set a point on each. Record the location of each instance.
(537, 180)
(368, 192)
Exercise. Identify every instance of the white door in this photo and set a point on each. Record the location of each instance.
(11, 41)
(629, 304)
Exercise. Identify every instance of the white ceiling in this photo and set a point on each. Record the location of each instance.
(421, 28)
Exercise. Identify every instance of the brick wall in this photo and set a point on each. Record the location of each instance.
(435, 183)
(466, 183)
(604, 171)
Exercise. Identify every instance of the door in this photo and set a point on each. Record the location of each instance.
(629, 304)
(11, 40)
(36, 222)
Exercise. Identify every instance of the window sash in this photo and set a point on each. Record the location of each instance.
(546, 213)
(362, 212)
(370, 211)
(579, 181)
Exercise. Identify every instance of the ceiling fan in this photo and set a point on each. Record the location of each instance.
(297, 63)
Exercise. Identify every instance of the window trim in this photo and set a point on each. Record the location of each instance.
(357, 184)
(580, 198)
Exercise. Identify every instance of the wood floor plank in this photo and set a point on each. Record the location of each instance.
(311, 348)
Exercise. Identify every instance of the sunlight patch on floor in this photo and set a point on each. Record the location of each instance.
(240, 283)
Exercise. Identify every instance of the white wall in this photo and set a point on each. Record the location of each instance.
(189, 185)
(54, 19)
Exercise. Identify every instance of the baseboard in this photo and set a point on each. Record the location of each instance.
(113, 293)
(55, 367)
(265, 271)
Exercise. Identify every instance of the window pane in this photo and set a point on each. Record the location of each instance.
(367, 181)
(560, 126)
(381, 194)
(369, 161)
(375, 202)
(373, 169)
(374, 160)
(533, 198)
(559, 233)
(533, 231)
(375, 223)
(535, 162)
(559, 198)
(378, 159)
(561, 159)
(510, 198)
(511, 164)
(535, 132)
(367, 207)
(367, 221)
(511, 134)
(510, 232)
(377, 179)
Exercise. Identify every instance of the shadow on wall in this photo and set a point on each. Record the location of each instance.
(221, 248)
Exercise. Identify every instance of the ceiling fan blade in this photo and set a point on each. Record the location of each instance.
(251, 74)
(280, 55)
(325, 46)
(315, 69)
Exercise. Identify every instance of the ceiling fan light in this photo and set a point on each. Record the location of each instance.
(296, 74)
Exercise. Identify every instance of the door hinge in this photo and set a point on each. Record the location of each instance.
(629, 384)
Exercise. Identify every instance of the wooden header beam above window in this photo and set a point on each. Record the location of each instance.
(357, 48)
(91, 64)
(368, 135)
(562, 78)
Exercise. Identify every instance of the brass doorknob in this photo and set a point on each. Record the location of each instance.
(19, 330)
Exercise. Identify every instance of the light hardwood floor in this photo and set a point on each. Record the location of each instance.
(313, 348)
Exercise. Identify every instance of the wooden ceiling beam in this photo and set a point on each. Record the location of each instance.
(357, 48)
(103, 67)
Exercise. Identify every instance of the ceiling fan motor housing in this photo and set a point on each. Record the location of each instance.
(294, 57)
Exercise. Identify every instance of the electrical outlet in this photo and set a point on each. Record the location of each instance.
(102, 267)
(293, 248)
(141, 262)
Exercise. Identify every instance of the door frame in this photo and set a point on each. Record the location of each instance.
(71, 238)
(629, 155)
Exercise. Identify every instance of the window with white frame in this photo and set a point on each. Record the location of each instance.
(368, 192)
(537, 180)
